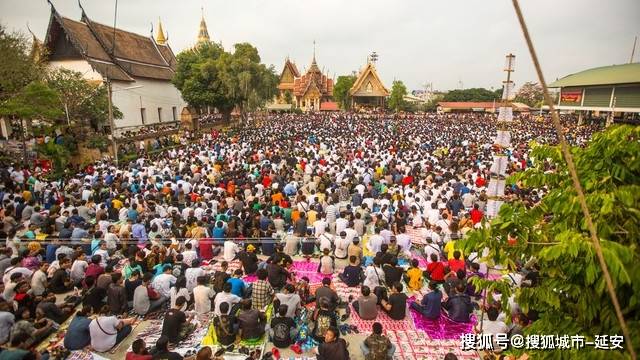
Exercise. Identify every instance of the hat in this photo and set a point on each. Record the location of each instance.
(251, 248)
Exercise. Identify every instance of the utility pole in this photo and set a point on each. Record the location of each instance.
(633, 51)
(112, 124)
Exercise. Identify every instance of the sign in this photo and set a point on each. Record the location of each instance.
(571, 96)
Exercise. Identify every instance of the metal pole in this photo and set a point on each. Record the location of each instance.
(66, 111)
(112, 123)
(24, 143)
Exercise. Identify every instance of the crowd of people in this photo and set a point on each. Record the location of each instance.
(148, 130)
(350, 192)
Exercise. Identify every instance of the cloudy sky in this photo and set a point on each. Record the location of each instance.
(448, 43)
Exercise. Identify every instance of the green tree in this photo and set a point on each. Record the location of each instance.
(571, 296)
(208, 76)
(85, 103)
(398, 92)
(473, 94)
(341, 90)
(35, 101)
(288, 98)
(530, 93)
(17, 68)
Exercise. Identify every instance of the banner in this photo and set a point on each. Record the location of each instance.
(571, 96)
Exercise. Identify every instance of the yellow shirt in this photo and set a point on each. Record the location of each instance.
(117, 204)
(415, 278)
(450, 247)
(312, 216)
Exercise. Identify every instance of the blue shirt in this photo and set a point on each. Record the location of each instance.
(51, 253)
(78, 335)
(237, 286)
(431, 304)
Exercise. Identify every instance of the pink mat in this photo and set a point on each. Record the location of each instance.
(387, 323)
(443, 328)
(308, 269)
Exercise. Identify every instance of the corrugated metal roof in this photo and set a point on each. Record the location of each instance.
(605, 75)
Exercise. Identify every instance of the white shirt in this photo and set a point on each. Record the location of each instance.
(78, 268)
(319, 226)
(188, 256)
(176, 294)
(373, 279)
(341, 247)
(374, 244)
(326, 241)
(162, 284)
(341, 225)
(202, 296)
(38, 283)
(230, 250)
(404, 241)
(225, 297)
(103, 336)
(192, 275)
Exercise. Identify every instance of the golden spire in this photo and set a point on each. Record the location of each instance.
(203, 33)
(160, 37)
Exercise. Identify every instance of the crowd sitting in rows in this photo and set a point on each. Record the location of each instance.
(148, 130)
(141, 238)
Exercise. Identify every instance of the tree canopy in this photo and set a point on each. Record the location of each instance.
(208, 76)
(35, 101)
(341, 90)
(571, 296)
(17, 68)
(473, 94)
(530, 93)
(398, 92)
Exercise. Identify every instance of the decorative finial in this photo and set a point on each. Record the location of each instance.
(160, 38)
(314, 51)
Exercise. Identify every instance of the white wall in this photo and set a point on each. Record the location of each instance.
(80, 66)
(152, 95)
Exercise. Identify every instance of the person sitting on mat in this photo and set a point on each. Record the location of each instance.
(397, 305)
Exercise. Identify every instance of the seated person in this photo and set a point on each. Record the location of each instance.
(452, 279)
(396, 306)
(225, 326)
(352, 275)
(392, 272)
(325, 291)
(366, 305)
(228, 297)
(61, 282)
(413, 278)
(161, 351)
(251, 321)
(435, 269)
(47, 308)
(456, 263)
(289, 298)
(20, 348)
(107, 331)
(283, 329)
(304, 291)
(35, 330)
(94, 297)
(332, 347)
(377, 346)
(238, 286)
(323, 318)
(431, 303)
(145, 298)
(249, 259)
(459, 305)
(326, 265)
(175, 325)
(78, 336)
(139, 351)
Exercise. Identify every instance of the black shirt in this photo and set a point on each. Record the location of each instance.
(398, 306)
(335, 350)
(392, 274)
(94, 297)
(351, 275)
(167, 355)
(282, 331)
(225, 331)
(130, 287)
(277, 275)
(249, 261)
(173, 320)
(57, 284)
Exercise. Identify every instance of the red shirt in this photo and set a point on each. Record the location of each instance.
(206, 251)
(133, 356)
(455, 265)
(436, 271)
(480, 182)
(476, 215)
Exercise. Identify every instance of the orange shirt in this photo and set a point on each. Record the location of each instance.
(276, 198)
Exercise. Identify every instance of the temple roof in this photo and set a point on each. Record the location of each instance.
(368, 83)
(160, 38)
(203, 33)
(132, 55)
(313, 78)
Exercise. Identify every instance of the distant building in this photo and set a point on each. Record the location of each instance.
(307, 92)
(607, 89)
(476, 106)
(368, 90)
(139, 67)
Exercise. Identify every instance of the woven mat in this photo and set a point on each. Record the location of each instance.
(308, 269)
(153, 331)
(416, 345)
(387, 323)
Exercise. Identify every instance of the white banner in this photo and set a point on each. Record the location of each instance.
(503, 138)
(508, 91)
(506, 114)
(493, 207)
(496, 187)
(499, 165)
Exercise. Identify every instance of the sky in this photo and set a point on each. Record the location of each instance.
(450, 43)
